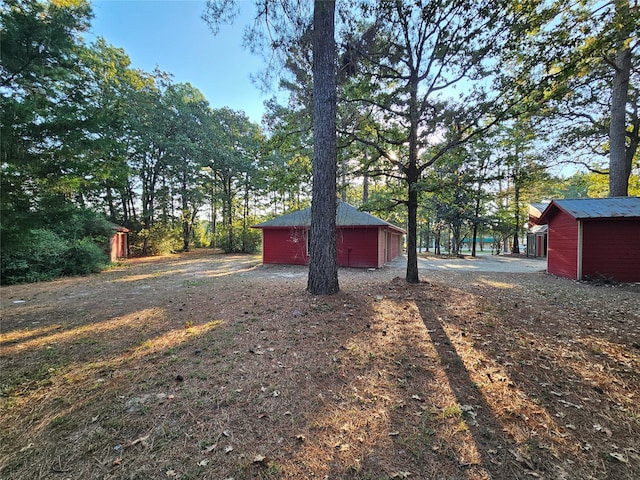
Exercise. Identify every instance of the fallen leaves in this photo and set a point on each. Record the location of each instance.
(271, 390)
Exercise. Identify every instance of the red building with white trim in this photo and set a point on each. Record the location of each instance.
(594, 237)
(363, 240)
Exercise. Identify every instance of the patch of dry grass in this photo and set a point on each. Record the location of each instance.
(197, 370)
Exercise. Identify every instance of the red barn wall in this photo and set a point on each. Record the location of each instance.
(382, 247)
(562, 245)
(611, 248)
(284, 245)
(358, 247)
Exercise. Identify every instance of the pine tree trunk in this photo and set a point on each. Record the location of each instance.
(412, 223)
(323, 269)
(412, 177)
(619, 167)
(516, 244)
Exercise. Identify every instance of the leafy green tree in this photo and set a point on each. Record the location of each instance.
(584, 57)
(187, 153)
(424, 71)
(453, 195)
(111, 85)
(500, 221)
(289, 163)
(42, 123)
(46, 143)
(482, 161)
(152, 132)
(523, 167)
(234, 159)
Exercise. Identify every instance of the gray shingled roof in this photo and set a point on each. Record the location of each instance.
(582, 208)
(346, 216)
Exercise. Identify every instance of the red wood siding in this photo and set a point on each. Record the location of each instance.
(396, 246)
(284, 245)
(382, 249)
(562, 246)
(611, 248)
(541, 245)
(357, 247)
(119, 246)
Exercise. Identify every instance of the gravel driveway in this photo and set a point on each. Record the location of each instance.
(481, 263)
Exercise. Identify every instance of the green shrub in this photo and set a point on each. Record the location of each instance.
(13, 269)
(251, 240)
(200, 236)
(61, 239)
(84, 257)
(162, 240)
(45, 255)
(40, 256)
(81, 224)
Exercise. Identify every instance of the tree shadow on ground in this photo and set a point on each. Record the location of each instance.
(499, 453)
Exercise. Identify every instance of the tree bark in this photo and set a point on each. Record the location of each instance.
(476, 218)
(412, 227)
(185, 216)
(323, 269)
(619, 163)
(412, 175)
(516, 186)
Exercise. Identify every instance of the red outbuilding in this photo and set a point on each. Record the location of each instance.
(594, 237)
(119, 243)
(362, 239)
(537, 234)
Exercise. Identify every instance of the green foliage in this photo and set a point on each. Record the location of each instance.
(38, 258)
(580, 66)
(45, 255)
(84, 256)
(200, 235)
(81, 224)
(238, 239)
(251, 240)
(161, 240)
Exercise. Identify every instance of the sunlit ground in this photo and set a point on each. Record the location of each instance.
(477, 378)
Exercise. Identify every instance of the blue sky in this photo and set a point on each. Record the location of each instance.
(171, 35)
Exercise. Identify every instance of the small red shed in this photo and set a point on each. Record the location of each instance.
(594, 237)
(119, 243)
(362, 239)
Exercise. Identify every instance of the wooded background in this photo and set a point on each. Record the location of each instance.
(451, 118)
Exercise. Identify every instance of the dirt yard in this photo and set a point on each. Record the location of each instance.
(203, 366)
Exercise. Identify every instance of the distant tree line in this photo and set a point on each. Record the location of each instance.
(88, 141)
